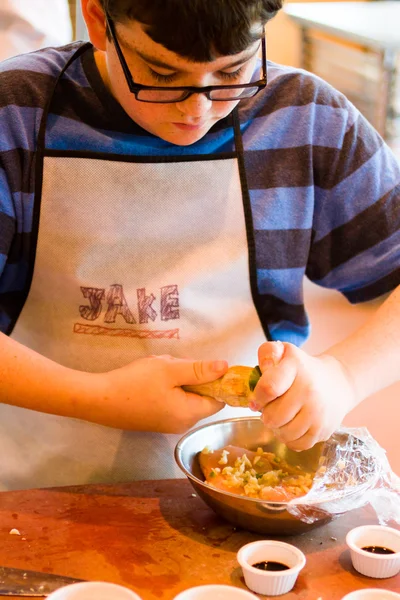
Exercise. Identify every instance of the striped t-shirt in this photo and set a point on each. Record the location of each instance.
(324, 188)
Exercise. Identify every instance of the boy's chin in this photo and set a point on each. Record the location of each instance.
(183, 138)
(186, 143)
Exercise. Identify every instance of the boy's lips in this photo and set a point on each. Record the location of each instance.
(189, 126)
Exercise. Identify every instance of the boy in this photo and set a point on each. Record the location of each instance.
(163, 195)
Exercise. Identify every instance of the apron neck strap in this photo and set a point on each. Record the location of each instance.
(249, 221)
(42, 129)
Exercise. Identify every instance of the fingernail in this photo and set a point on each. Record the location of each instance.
(219, 365)
(279, 349)
(276, 355)
(254, 406)
(266, 363)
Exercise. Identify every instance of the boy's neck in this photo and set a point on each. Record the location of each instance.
(100, 60)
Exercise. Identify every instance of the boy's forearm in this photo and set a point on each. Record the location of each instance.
(371, 356)
(32, 381)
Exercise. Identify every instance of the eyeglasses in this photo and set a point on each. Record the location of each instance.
(165, 95)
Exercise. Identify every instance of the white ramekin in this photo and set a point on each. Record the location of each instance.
(93, 590)
(215, 592)
(270, 583)
(379, 566)
(372, 594)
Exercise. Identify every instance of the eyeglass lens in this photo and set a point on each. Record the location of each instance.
(166, 95)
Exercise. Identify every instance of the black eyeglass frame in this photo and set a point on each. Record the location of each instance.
(135, 88)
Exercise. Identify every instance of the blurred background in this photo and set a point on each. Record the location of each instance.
(27, 25)
(353, 45)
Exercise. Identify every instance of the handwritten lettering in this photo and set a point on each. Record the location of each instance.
(117, 305)
(146, 311)
(95, 296)
(169, 303)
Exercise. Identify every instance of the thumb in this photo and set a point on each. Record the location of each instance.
(190, 372)
(270, 354)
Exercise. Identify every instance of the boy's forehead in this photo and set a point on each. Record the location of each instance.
(134, 39)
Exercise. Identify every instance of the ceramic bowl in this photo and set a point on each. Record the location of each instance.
(93, 590)
(372, 594)
(373, 564)
(275, 554)
(215, 592)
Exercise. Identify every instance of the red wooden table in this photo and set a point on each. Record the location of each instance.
(159, 538)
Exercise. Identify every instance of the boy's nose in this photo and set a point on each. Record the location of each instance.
(196, 105)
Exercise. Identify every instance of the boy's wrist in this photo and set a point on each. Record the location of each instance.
(86, 396)
(345, 378)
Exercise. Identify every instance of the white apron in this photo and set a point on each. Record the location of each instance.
(134, 256)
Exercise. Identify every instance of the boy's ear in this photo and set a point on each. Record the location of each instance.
(93, 14)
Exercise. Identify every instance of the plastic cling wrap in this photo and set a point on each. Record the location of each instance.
(353, 471)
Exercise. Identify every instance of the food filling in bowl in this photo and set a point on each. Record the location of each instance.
(259, 474)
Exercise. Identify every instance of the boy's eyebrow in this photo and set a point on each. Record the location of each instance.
(159, 63)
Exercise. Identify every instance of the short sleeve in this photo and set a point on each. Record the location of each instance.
(355, 242)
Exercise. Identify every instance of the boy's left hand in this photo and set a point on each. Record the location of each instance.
(303, 398)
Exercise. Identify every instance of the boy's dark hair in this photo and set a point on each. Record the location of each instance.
(198, 30)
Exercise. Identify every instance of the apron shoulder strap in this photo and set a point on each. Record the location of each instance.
(249, 223)
(42, 129)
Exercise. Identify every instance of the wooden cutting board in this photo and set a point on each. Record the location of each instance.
(159, 538)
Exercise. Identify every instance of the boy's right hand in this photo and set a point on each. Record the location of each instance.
(146, 395)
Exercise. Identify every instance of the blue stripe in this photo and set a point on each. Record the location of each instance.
(283, 208)
(18, 126)
(367, 267)
(13, 277)
(23, 204)
(19, 205)
(48, 62)
(286, 284)
(6, 203)
(298, 126)
(286, 331)
(67, 134)
(356, 193)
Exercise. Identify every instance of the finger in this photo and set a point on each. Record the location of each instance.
(204, 404)
(193, 372)
(282, 411)
(192, 408)
(294, 429)
(198, 407)
(274, 382)
(305, 442)
(269, 354)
